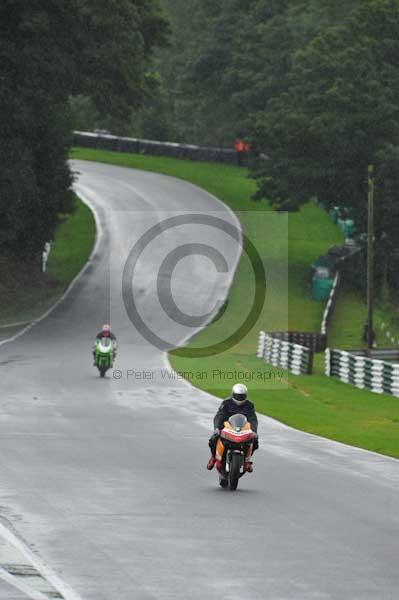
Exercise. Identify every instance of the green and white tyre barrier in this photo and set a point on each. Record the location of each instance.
(296, 359)
(375, 375)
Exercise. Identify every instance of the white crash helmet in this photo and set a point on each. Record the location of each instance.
(239, 393)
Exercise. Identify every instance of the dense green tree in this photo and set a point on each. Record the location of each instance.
(230, 59)
(314, 83)
(48, 51)
(339, 114)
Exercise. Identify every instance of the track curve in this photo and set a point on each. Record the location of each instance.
(106, 479)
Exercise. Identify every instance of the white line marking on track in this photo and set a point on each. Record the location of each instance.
(46, 573)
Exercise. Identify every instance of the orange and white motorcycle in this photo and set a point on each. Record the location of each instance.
(234, 450)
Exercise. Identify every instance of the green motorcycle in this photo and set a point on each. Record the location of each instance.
(105, 355)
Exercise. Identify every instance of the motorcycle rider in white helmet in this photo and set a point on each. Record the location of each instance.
(238, 403)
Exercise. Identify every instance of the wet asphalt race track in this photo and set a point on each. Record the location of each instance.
(106, 479)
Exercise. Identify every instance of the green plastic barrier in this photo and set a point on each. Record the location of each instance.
(321, 288)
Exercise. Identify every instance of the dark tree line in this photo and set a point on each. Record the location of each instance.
(338, 114)
(312, 83)
(50, 50)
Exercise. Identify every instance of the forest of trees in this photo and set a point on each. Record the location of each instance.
(50, 51)
(313, 84)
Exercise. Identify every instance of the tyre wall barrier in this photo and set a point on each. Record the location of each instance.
(366, 373)
(317, 342)
(136, 146)
(295, 358)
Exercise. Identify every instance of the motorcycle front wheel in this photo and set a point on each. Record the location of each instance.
(234, 472)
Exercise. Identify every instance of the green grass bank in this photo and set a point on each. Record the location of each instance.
(287, 244)
(25, 292)
(346, 329)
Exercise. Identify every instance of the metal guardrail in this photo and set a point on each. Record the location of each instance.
(297, 359)
(387, 354)
(331, 302)
(152, 147)
(366, 373)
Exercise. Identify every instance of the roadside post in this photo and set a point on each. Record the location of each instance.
(45, 255)
(370, 260)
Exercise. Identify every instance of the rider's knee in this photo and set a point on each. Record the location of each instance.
(213, 441)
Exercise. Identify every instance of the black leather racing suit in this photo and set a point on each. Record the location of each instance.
(227, 409)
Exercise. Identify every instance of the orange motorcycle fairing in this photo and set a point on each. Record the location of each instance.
(229, 433)
(219, 450)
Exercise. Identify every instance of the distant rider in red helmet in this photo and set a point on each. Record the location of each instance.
(238, 403)
(105, 332)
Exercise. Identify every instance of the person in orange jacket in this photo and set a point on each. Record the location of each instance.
(239, 147)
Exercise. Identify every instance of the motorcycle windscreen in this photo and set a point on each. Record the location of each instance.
(106, 342)
(238, 421)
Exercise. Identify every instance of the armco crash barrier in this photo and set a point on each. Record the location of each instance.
(330, 306)
(137, 146)
(366, 373)
(293, 357)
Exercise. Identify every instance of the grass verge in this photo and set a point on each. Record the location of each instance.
(316, 404)
(347, 325)
(25, 292)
